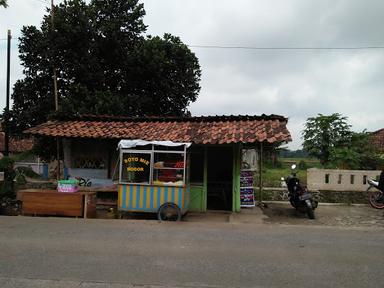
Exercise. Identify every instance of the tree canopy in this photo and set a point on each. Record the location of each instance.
(105, 64)
(330, 139)
(323, 133)
(3, 3)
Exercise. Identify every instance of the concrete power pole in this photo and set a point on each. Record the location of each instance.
(6, 118)
(56, 95)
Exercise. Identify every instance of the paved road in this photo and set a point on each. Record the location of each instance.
(63, 252)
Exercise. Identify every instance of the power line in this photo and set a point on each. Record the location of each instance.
(285, 48)
(269, 48)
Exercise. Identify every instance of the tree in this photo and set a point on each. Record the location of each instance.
(3, 3)
(359, 154)
(324, 133)
(174, 72)
(105, 65)
(330, 139)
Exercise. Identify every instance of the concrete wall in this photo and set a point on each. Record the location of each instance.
(323, 196)
(91, 159)
(339, 180)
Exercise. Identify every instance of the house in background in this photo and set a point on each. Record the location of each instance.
(377, 140)
(217, 160)
(16, 145)
(19, 145)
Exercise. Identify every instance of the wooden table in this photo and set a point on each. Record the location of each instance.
(51, 202)
(101, 192)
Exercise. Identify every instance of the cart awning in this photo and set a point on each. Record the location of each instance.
(126, 144)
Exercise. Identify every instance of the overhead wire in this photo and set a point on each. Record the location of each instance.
(260, 47)
(285, 48)
(270, 48)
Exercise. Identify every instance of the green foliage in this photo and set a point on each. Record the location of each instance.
(269, 164)
(322, 134)
(6, 166)
(358, 154)
(27, 172)
(272, 177)
(302, 165)
(309, 162)
(285, 153)
(330, 139)
(20, 179)
(105, 65)
(6, 162)
(23, 172)
(3, 3)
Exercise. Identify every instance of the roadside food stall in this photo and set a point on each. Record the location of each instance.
(153, 178)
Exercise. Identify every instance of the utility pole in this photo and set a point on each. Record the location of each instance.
(55, 94)
(261, 175)
(54, 68)
(6, 118)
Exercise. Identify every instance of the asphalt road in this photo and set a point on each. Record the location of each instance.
(64, 252)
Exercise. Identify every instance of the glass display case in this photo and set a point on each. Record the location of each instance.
(153, 178)
(153, 167)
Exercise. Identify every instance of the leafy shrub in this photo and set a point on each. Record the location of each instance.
(6, 166)
(302, 165)
(27, 172)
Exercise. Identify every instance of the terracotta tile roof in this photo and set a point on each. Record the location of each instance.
(16, 144)
(377, 139)
(199, 130)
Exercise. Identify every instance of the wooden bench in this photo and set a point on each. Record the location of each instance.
(51, 202)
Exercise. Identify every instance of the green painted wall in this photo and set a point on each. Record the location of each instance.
(197, 200)
(236, 178)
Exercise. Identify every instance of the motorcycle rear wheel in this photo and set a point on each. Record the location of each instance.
(311, 213)
(376, 198)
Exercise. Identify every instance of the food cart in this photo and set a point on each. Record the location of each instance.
(153, 178)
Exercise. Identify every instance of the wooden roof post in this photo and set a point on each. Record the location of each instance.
(261, 174)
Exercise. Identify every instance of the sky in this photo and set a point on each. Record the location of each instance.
(295, 83)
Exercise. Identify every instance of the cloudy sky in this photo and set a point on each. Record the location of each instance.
(294, 83)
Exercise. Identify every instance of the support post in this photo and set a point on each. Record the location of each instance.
(6, 118)
(55, 95)
(261, 175)
(205, 184)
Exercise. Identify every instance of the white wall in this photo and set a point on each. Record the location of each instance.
(339, 180)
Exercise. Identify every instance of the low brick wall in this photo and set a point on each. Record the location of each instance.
(339, 180)
(349, 197)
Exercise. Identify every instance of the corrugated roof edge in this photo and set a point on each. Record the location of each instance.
(107, 118)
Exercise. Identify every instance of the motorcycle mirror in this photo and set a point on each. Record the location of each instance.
(293, 166)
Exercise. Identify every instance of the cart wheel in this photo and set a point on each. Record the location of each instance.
(169, 212)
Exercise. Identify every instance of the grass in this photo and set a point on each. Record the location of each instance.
(272, 175)
(310, 162)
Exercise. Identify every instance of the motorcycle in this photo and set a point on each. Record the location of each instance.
(299, 197)
(376, 197)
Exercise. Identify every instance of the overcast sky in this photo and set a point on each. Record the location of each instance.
(294, 83)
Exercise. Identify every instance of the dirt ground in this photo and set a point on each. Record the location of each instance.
(329, 215)
(280, 213)
(283, 213)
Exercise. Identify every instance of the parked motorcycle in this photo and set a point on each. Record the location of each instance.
(375, 194)
(299, 196)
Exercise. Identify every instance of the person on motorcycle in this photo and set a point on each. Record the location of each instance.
(381, 181)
